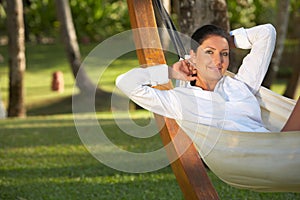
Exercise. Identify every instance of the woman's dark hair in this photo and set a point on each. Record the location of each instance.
(204, 32)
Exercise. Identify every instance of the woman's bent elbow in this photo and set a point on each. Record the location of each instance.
(271, 31)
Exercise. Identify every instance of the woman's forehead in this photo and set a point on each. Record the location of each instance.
(215, 41)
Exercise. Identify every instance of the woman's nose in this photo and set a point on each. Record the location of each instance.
(218, 59)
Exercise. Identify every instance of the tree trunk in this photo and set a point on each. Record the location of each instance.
(194, 14)
(72, 48)
(17, 64)
(294, 81)
(282, 25)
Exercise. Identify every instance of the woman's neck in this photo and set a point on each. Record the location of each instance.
(206, 85)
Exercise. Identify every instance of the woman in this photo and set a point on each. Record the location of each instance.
(214, 99)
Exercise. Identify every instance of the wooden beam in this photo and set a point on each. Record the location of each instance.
(188, 168)
(140, 17)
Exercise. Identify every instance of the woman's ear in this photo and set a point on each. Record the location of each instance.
(193, 56)
(192, 53)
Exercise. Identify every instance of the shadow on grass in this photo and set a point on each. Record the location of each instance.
(87, 168)
(64, 105)
(41, 132)
(116, 186)
(43, 158)
(95, 181)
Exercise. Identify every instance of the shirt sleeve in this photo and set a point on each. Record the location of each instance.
(261, 40)
(136, 84)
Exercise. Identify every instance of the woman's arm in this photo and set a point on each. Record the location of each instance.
(137, 85)
(261, 40)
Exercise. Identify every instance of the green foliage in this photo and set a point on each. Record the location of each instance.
(295, 6)
(40, 19)
(248, 13)
(2, 21)
(94, 20)
(97, 20)
(252, 12)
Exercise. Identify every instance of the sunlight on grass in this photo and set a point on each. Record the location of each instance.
(42, 157)
(118, 67)
(41, 62)
(280, 86)
(45, 161)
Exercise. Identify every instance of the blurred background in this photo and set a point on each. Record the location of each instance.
(42, 46)
(47, 50)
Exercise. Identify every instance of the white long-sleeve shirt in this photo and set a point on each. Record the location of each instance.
(231, 106)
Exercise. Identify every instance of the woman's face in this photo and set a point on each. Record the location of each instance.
(212, 58)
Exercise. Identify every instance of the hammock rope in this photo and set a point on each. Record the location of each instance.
(163, 16)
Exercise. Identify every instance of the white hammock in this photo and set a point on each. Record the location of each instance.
(267, 162)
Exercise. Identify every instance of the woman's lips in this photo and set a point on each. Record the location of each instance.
(215, 68)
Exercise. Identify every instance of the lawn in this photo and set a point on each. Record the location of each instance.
(42, 156)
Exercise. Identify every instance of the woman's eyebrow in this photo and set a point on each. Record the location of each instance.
(209, 47)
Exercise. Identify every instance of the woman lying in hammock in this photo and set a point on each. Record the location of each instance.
(214, 99)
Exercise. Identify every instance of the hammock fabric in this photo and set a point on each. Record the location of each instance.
(268, 162)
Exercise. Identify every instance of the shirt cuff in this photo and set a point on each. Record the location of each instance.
(241, 38)
(158, 75)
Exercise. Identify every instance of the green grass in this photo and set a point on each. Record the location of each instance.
(42, 156)
(42, 61)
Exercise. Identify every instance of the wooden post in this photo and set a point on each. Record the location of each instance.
(188, 168)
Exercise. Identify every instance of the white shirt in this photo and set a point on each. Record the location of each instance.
(231, 106)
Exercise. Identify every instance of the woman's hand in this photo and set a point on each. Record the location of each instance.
(182, 70)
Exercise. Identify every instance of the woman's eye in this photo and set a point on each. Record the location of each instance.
(209, 52)
(225, 54)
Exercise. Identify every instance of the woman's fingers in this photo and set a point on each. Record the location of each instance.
(191, 78)
(182, 70)
(189, 69)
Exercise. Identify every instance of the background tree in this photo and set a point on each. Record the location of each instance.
(294, 51)
(281, 26)
(72, 48)
(17, 65)
(194, 14)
